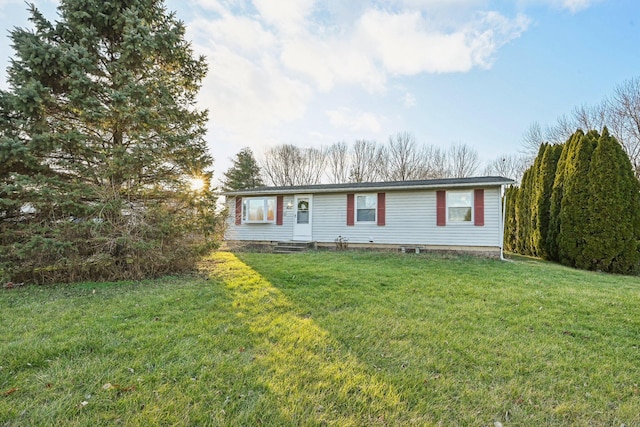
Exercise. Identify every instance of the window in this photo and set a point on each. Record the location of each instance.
(366, 205)
(459, 206)
(259, 209)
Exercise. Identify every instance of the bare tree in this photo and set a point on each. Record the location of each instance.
(287, 164)
(338, 163)
(531, 140)
(366, 160)
(438, 163)
(590, 117)
(508, 166)
(557, 133)
(312, 165)
(278, 164)
(404, 159)
(464, 160)
(561, 131)
(624, 110)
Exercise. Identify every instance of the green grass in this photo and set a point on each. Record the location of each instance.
(321, 338)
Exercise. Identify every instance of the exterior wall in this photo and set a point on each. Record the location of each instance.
(260, 232)
(410, 220)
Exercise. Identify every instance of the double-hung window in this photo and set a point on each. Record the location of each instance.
(366, 206)
(459, 206)
(258, 209)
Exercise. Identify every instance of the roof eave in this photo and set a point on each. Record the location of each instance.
(364, 189)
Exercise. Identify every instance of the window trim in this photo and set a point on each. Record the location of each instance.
(374, 221)
(471, 196)
(265, 200)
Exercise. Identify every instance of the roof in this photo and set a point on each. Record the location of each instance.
(424, 184)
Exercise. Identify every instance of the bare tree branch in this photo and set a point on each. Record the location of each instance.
(508, 166)
(366, 160)
(464, 160)
(338, 163)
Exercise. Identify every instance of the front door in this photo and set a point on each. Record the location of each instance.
(302, 224)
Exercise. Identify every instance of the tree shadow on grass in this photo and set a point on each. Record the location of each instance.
(314, 379)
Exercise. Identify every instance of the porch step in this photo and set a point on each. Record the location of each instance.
(290, 247)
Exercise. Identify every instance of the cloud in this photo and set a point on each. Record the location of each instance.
(572, 6)
(354, 121)
(409, 100)
(270, 60)
(383, 44)
(286, 15)
(576, 5)
(332, 62)
(246, 89)
(405, 44)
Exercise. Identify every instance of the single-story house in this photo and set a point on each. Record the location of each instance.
(459, 214)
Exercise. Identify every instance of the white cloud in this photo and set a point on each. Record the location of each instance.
(237, 33)
(383, 43)
(409, 100)
(288, 16)
(572, 6)
(269, 58)
(576, 5)
(406, 45)
(332, 62)
(246, 89)
(345, 118)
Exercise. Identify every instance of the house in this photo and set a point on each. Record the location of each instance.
(460, 214)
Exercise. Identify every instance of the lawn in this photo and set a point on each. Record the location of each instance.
(323, 338)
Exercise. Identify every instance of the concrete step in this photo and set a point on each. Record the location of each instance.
(292, 247)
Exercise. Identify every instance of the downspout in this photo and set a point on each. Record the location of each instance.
(504, 214)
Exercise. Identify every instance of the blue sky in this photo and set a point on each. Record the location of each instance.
(314, 72)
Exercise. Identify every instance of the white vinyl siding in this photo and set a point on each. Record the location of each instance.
(410, 220)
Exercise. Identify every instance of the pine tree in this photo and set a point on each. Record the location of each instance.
(573, 211)
(614, 210)
(101, 137)
(244, 173)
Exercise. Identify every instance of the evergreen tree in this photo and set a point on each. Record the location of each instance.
(536, 194)
(510, 226)
(523, 214)
(556, 196)
(547, 175)
(101, 137)
(244, 173)
(573, 211)
(613, 229)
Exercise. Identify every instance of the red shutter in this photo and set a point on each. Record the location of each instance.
(238, 210)
(478, 207)
(441, 208)
(381, 208)
(350, 209)
(279, 209)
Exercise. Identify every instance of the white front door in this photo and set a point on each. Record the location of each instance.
(302, 224)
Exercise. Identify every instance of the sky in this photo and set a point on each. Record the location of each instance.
(315, 72)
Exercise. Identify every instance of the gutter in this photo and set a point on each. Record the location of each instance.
(363, 189)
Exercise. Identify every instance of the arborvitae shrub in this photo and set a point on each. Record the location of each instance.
(573, 210)
(613, 229)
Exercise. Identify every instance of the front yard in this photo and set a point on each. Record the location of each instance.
(321, 338)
